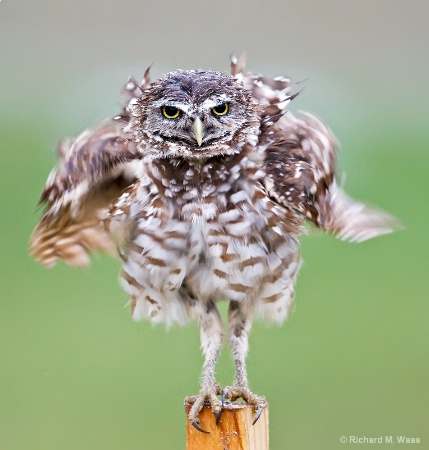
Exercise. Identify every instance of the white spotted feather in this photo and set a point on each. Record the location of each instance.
(202, 205)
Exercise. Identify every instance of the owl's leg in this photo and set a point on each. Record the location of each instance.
(211, 334)
(240, 318)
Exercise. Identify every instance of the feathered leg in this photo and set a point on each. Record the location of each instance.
(240, 319)
(211, 334)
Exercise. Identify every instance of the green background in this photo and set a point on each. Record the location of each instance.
(75, 371)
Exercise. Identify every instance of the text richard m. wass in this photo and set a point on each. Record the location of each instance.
(380, 440)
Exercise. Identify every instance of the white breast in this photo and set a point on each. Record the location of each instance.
(216, 253)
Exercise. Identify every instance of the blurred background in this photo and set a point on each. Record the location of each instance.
(76, 372)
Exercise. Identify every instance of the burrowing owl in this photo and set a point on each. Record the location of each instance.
(202, 185)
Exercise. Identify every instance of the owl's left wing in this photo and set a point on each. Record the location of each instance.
(299, 159)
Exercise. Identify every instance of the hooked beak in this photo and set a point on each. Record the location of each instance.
(198, 130)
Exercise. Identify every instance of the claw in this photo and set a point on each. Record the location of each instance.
(195, 425)
(223, 397)
(217, 415)
(258, 414)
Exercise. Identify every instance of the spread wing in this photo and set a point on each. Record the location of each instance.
(93, 171)
(299, 159)
(300, 163)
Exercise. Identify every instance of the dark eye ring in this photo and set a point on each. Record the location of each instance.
(170, 112)
(220, 110)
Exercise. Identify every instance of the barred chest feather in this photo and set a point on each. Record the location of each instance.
(207, 232)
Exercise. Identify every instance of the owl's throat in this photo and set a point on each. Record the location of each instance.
(200, 176)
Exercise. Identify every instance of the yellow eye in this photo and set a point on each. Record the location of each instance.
(220, 110)
(170, 112)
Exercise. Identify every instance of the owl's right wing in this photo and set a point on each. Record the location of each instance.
(93, 171)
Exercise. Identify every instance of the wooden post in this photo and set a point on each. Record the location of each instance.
(233, 432)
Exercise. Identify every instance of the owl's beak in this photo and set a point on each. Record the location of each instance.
(198, 130)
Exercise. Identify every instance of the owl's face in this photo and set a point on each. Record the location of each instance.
(194, 115)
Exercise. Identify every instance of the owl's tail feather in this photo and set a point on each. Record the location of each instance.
(353, 221)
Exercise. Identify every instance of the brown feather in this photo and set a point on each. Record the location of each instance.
(93, 171)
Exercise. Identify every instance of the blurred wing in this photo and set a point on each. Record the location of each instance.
(299, 159)
(93, 171)
(300, 164)
(273, 94)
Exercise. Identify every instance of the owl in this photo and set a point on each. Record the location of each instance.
(202, 185)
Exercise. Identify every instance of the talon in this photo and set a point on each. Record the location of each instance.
(207, 398)
(217, 415)
(258, 414)
(223, 397)
(195, 425)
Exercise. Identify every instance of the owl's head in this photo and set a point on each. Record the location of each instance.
(194, 114)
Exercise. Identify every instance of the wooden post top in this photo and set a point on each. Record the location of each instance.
(233, 432)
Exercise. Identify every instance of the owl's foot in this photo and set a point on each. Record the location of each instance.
(242, 391)
(207, 396)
